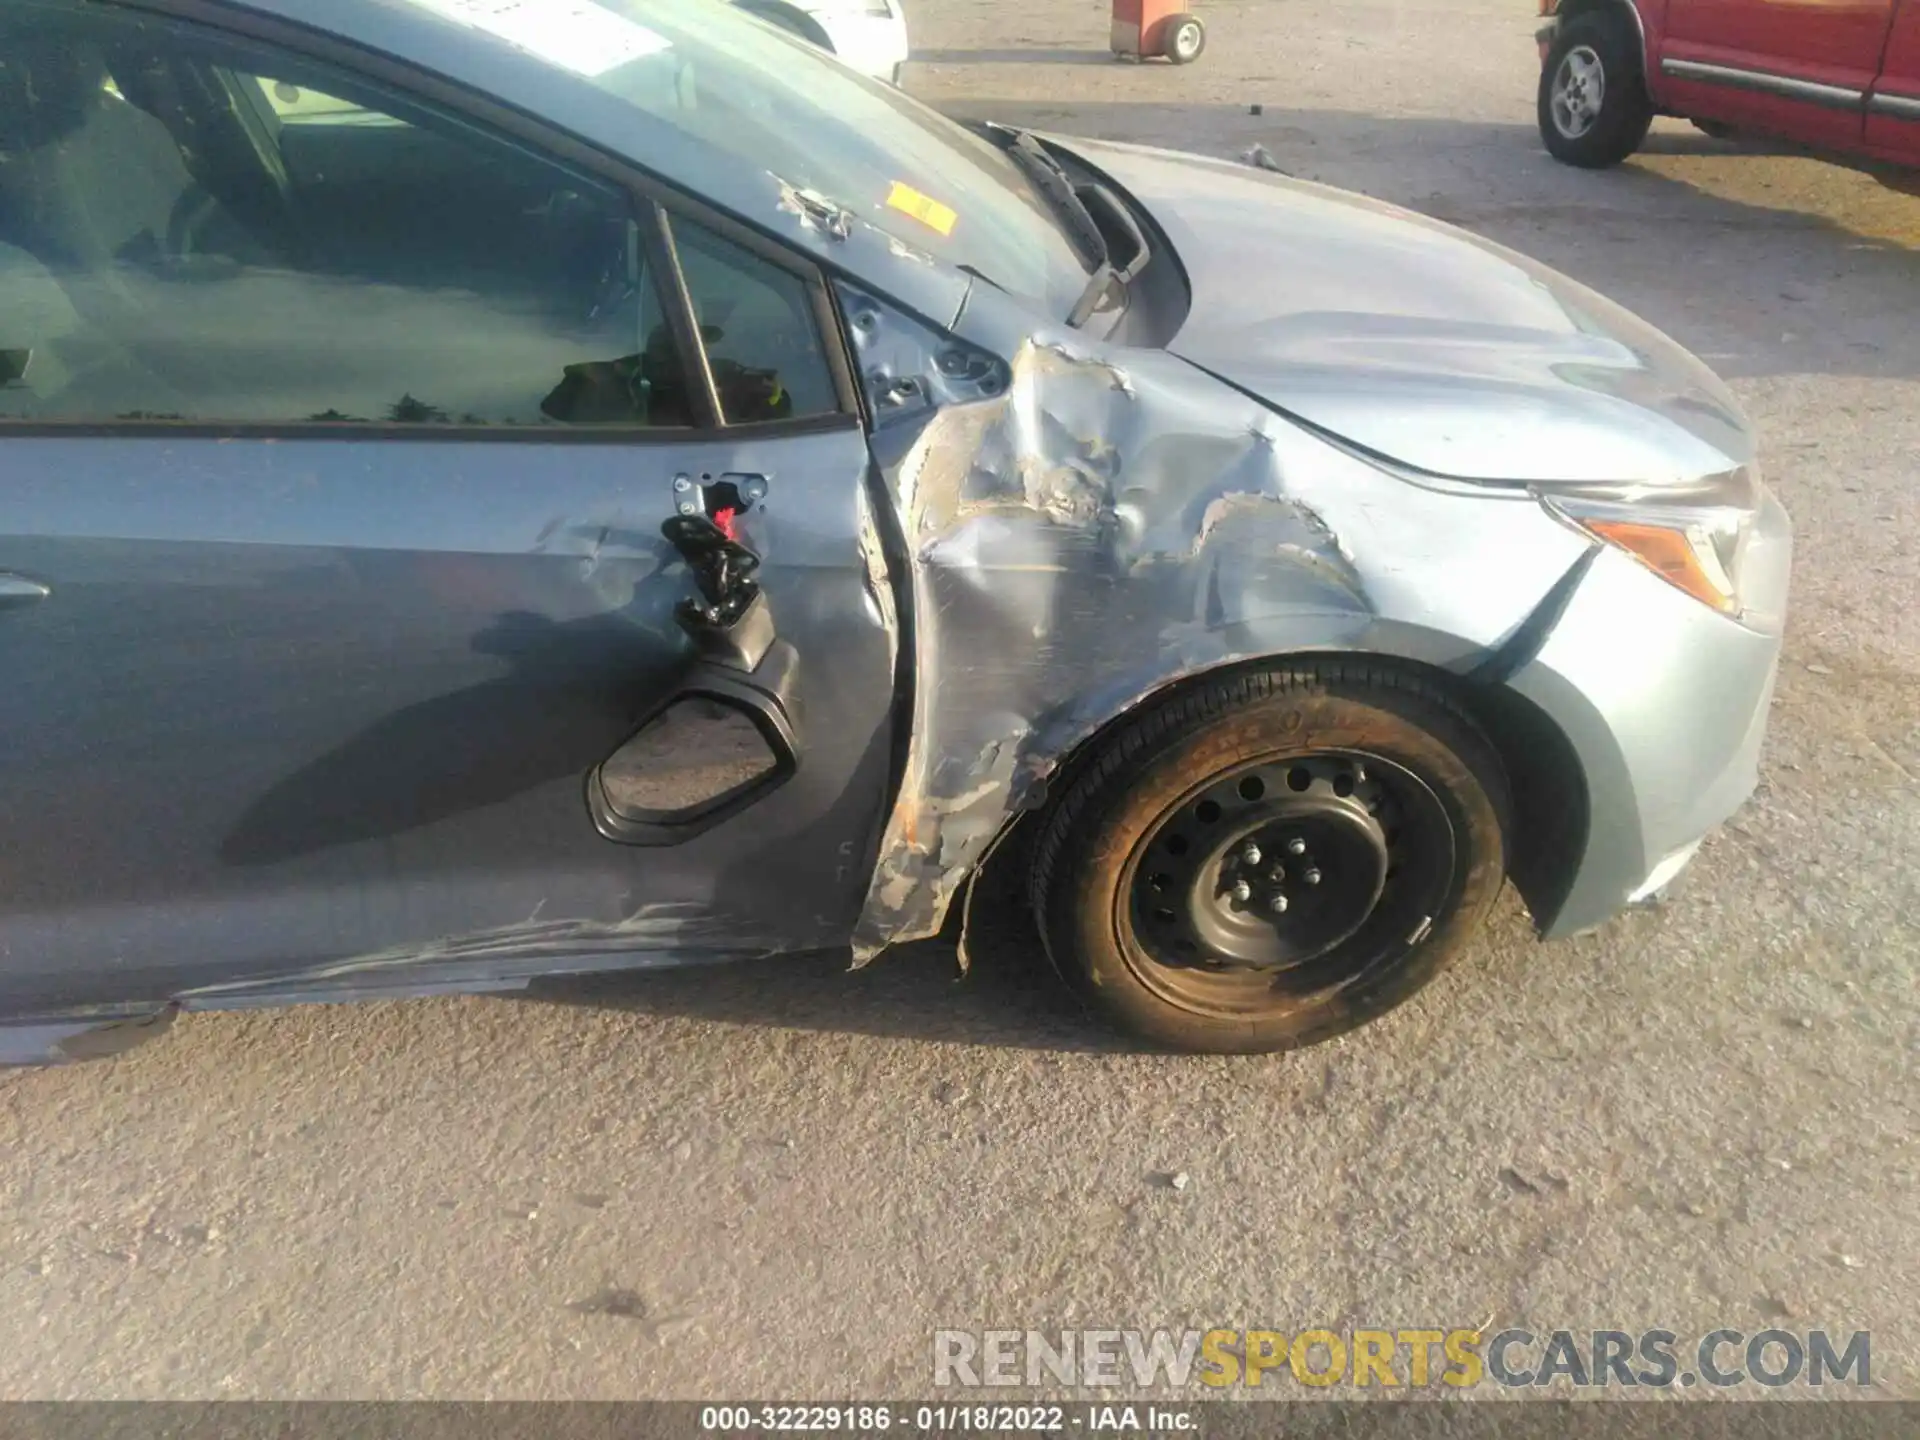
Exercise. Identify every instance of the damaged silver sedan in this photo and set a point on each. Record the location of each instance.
(494, 491)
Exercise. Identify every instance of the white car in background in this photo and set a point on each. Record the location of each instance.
(869, 35)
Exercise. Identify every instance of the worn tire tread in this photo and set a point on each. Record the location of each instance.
(1215, 699)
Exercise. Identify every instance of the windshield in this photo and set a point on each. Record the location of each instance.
(774, 101)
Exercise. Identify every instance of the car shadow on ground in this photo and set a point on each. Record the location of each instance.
(1009, 997)
(1693, 141)
(1813, 269)
(1013, 57)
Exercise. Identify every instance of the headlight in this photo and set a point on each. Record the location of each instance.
(1696, 542)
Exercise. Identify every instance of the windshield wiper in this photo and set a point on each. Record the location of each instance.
(1096, 196)
(1050, 178)
(1069, 200)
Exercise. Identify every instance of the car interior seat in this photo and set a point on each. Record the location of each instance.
(88, 184)
(86, 178)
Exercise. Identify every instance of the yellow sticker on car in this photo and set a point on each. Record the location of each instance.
(924, 208)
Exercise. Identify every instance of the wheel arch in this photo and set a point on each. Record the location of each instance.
(1575, 9)
(1550, 816)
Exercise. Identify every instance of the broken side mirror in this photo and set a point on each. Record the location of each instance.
(729, 619)
(726, 735)
(719, 744)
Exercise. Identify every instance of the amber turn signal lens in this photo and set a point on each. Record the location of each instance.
(1670, 554)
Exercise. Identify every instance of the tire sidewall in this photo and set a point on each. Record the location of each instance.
(1180, 26)
(1625, 109)
(1086, 901)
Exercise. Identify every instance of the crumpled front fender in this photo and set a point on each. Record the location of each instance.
(1084, 526)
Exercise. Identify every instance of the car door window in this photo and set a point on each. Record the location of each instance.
(759, 327)
(201, 229)
(303, 105)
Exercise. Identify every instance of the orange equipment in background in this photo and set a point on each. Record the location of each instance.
(1157, 27)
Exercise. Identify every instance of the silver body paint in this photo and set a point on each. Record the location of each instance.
(1420, 342)
(1118, 522)
(1341, 450)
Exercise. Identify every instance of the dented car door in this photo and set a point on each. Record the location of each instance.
(372, 612)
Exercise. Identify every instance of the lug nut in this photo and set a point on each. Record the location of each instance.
(1242, 891)
(1312, 877)
(1296, 847)
(1251, 854)
(1278, 904)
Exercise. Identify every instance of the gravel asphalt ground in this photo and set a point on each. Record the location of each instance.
(780, 1179)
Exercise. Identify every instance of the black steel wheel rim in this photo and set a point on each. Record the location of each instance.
(1286, 876)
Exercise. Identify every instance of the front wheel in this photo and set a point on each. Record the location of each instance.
(1273, 859)
(1594, 109)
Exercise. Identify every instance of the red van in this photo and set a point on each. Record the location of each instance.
(1838, 74)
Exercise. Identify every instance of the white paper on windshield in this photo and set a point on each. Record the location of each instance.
(576, 35)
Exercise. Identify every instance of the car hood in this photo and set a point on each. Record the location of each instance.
(1420, 342)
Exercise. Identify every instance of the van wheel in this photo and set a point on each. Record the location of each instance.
(1593, 106)
(1273, 858)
